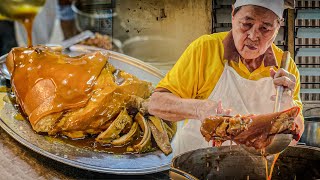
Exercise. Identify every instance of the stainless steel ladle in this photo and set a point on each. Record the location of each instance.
(280, 141)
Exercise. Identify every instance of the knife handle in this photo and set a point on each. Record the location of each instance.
(77, 38)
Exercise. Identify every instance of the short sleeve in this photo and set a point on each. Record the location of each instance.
(182, 79)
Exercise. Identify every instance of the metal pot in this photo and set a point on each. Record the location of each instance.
(311, 134)
(299, 162)
(94, 15)
(157, 51)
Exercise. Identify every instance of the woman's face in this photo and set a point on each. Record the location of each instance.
(254, 29)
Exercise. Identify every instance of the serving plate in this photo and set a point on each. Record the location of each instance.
(131, 164)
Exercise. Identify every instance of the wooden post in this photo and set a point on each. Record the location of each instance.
(290, 32)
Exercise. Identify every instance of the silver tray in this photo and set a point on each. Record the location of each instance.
(132, 164)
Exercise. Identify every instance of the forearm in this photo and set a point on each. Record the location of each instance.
(173, 108)
(299, 121)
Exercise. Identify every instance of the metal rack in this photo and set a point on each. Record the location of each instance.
(307, 48)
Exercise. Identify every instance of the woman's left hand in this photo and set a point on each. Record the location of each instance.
(285, 79)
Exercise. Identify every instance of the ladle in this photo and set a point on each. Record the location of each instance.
(280, 141)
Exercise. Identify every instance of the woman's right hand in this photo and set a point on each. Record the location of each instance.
(208, 108)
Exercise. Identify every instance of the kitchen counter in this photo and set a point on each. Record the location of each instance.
(18, 162)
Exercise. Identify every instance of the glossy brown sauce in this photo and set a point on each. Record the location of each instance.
(269, 174)
(3, 89)
(209, 126)
(91, 144)
(266, 167)
(46, 81)
(26, 19)
(28, 24)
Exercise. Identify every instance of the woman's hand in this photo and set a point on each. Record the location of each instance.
(285, 79)
(208, 108)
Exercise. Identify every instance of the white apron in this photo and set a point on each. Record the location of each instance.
(243, 96)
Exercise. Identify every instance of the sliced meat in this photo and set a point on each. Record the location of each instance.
(145, 143)
(133, 133)
(161, 138)
(115, 128)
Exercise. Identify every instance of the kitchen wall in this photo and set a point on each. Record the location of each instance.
(306, 38)
(158, 31)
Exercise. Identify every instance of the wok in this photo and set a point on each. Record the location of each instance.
(299, 162)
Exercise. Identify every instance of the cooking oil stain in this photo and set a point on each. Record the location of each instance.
(3, 89)
(19, 117)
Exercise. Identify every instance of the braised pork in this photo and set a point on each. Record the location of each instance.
(252, 130)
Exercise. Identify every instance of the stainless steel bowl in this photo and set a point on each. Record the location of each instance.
(160, 52)
(311, 134)
(94, 15)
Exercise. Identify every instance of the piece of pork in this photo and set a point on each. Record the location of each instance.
(252, 130)
(73, 96)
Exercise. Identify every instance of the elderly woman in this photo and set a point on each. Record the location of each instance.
(239, 69)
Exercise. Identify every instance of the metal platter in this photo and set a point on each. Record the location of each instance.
(132, 164)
